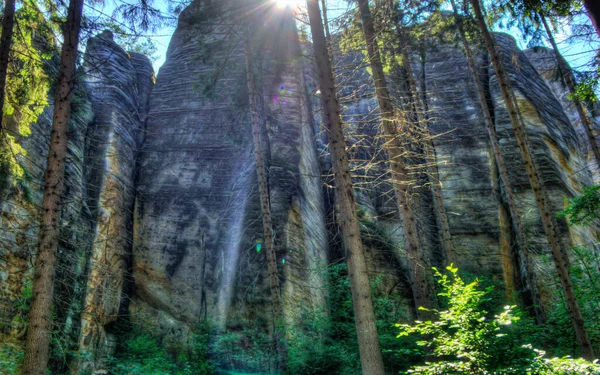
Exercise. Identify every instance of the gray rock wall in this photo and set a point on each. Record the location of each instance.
(162, 218)
(198, 218)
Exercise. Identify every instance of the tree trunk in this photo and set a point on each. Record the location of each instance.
(5, 43)
(326, 23)
(400, 177)
(559, 254)
(265, 206)
(8, 19)
(526, 269)
(40, 315)
(567, 77)
(593, 9)
(432, 165)
(366, 329)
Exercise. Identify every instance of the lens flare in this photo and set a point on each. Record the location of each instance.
(294, 4)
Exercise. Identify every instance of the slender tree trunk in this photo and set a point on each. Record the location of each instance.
(526, 269)
(5, 43)
(8, 19)
(400, 177)
(265, 205)
(326, 23)
(40, 315)
(432, 164)
(568, 79)
(559, 254)
(593, 9)
(368, 342)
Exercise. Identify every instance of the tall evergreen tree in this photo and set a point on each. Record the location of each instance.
(8, 17)
(527, 271)
(40, 316)
(368, 341)
(400, 178)
(265, 204)
(593, 9)
(568, 79)
(432, 162)
(542, 200)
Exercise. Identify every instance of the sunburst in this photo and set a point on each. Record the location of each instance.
(294, 4)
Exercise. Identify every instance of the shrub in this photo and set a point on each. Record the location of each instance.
(143, 354)
(465, 340)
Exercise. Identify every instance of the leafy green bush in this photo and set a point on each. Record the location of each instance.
(11, 358)
(584, 209)
(249, 349)
(142, 354)
(326, 342)
(465, 340)
(311, 349)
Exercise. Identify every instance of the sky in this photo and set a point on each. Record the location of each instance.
(578, 54)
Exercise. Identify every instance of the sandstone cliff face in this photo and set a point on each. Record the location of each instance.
(95, 242)
(162, 218)
(478, 218)
(197, 214)
(119, 85)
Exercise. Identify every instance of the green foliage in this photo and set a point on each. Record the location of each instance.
(312, 350)
(11, 358)
(250, 349)
(27, 82)
(327, 343)
(141, 353)
(466, 340)
(584, 209)
(557, 336)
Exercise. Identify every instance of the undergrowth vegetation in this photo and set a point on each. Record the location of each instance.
(142, 353)
(466, 339)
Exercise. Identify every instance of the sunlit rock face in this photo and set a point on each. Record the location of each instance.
(197, 217)
(162, 219)
(480, 224)
(20, 200)
(119, 85)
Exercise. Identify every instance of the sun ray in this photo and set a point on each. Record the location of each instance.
(294, 4)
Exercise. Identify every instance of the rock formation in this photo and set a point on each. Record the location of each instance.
(162, 220)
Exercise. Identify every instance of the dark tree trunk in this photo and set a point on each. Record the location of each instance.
(8, 19)
(400, 178)
(593, 9)
(432, 163)
(526, 269)
(40, 316)
(559, 254)
(568, 79)
(366, 329)
(265, 205)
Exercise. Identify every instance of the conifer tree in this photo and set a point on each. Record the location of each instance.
(400, 178)
(432, 164)
(593, 9)
(265, 204)
(8, 16)
(527, 272)
(568, 79)
(366, 329)
(559, 254)
(40, 315)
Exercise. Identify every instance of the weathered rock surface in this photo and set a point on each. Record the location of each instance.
(197, 213)
(162, 218)
(119, 84)
(109, 108)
